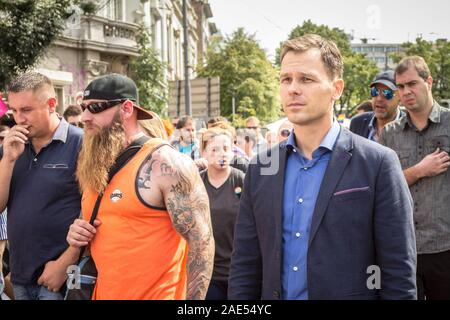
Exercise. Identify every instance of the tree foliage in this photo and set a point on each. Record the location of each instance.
(148, 73)
(358, 70)
(437, 56)
(246, 72)
(27, 28)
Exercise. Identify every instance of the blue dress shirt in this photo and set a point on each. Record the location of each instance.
(303, 179)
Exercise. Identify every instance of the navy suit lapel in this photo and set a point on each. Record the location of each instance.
(366, 127)
(339, 159)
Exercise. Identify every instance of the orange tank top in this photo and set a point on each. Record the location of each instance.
(138, 253)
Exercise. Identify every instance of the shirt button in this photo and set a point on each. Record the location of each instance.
(35, 159)
(298, 234)
(305, 169)
(295, 269)
(300, 200)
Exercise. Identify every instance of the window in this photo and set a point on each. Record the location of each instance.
(113, 10)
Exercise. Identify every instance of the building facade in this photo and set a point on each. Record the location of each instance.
(378, 53)
(105, 40)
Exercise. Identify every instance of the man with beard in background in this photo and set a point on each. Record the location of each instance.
(153, 209)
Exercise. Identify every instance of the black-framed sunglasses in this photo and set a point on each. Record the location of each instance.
(285, 133)
(97, 107)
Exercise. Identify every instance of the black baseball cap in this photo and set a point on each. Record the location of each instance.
(115, 87)
(387, 78)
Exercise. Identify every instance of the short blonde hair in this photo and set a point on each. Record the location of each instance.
(211, 133)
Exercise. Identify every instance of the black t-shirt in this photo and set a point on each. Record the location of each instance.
(224, 204)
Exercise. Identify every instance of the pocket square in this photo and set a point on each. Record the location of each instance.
(55, 166)
(353, 190)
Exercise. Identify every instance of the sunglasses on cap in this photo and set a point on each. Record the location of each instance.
(285, 133)
(97, 107)
(387, 93)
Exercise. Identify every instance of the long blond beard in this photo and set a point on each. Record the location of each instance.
(98, 154)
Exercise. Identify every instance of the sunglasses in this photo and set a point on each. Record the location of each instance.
(387, 93)
(97, 107)
(253, 128)
(285, 133)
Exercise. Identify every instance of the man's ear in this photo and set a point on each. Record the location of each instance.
(126, 110)
(430, 82)
(52, 103)
(339, 86)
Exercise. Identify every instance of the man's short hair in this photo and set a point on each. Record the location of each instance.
(414, 61)
(29, 81)
(72, 111)
(331, 56)
(366, 106)
(183, 121)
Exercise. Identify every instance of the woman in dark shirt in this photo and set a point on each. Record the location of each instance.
(224, 186)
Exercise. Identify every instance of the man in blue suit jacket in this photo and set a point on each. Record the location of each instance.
(329, 214)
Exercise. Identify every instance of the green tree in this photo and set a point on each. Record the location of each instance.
(336, 35)
(437, 56)
(148, 73)
(358, 70)
(246, 73)
(27, 28)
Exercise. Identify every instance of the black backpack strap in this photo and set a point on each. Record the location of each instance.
(121, 161)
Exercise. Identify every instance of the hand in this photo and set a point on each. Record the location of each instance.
(14, 142)
(434, 164)
(82, 232)
(201, 163)
(54, 276)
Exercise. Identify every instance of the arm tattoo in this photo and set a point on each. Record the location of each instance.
(151, 165)
(188, 205)
(144, 176)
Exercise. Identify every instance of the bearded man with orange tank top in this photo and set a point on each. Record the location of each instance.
(152, 238)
